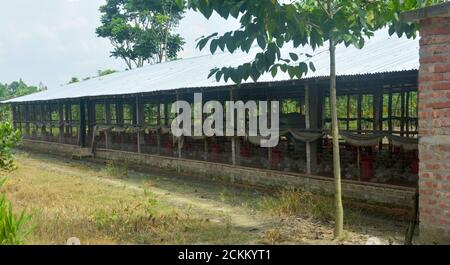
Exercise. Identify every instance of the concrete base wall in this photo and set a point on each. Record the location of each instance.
(365, 192)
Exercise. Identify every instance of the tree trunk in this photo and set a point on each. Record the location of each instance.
(339, 221)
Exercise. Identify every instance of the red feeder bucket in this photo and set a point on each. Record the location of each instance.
(215, 152)
(277, 157)
(168, 146)
(414, 162)
(245, 151)
(367, 171)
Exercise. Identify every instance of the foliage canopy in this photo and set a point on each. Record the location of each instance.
(141, 30)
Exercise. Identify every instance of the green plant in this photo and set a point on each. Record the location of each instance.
(115, 170)
(294, 203)
(9, 138)
(13, 228)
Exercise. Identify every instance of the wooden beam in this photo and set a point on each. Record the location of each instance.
(108, 121)
(402, 111)
(158, 134)
(233, 139)
(140, 119)
(61, 122)
(82, 126)
(407, 113)
(311, 122)
(359, 110)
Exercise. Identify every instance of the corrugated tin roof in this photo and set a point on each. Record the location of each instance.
(382, 53)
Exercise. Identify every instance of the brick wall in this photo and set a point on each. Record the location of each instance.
(434, 130)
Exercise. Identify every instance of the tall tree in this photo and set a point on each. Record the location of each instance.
(141, 30)
(273, 24)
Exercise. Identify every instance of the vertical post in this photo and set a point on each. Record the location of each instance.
(378, 112)
(402, 112)
(233, 139)
(158, 135)
(82, 128)
(390, 111)
(166, 114)
(348, 112)
(359, 108)
(27, 120)
(50, 119)
(61, 122)
(108, 121)
(43, 119)
(14, 115)
(140, 123)
(67, 119)
(178, 138)
(407, 113)
(119, 118)
(311, 122)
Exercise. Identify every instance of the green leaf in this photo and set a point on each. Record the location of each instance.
(293, 56)
(312, 67)
(274, 71)
(212, 72)
(261, 42)
(213, 46)
(303, 67)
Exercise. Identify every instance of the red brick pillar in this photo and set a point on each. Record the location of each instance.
(434, 130)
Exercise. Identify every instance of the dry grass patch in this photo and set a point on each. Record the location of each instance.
(71, 202)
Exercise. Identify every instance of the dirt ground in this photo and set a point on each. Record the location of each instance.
(110, 204)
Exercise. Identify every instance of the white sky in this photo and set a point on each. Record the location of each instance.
(50, 41)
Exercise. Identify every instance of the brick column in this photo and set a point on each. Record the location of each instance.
(434, 130)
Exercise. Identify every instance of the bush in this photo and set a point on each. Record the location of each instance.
(9, 138)
(13, 228)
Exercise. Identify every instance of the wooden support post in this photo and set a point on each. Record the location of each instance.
(407, 113)
(120, 118)
(43, 122)
(178, 138)
(14, 115)
(402, 113)
(166, 114)
(233, 138)
(20, 115)
(82, 126)
(91, 119)
(359, 109)
(108, 121)
(390, 111)
(67, 118)
(140, 123)
(50, 119)
(61, 122)
(378, 112)
(348, 112)
(27, 120)
(158, 135)
(311, 122)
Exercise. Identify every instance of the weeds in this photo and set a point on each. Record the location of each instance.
(307, 205)
(296, 203)
(13, 228)
(113, 169)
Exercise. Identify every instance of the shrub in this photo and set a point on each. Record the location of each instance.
(9, 138)
(13, 228)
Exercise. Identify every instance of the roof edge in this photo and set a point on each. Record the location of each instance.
(440, 10)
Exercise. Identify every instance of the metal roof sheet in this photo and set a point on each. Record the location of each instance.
(381, 53)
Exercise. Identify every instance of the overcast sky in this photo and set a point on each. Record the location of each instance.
(50, 41)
